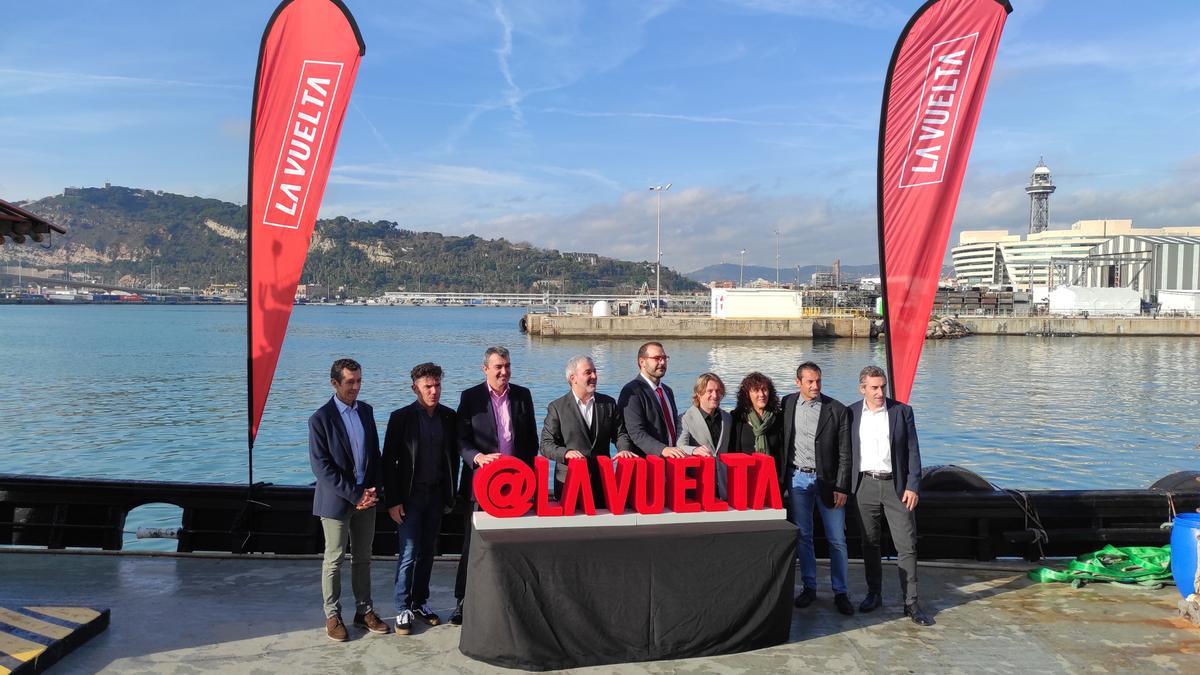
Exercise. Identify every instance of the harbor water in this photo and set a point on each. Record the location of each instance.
(158, 393)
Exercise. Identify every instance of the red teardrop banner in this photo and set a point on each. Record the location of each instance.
(306, 68)
(931, 103)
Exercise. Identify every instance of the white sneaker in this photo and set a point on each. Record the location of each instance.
(404, 622)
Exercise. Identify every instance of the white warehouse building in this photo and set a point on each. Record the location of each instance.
(1095, 253)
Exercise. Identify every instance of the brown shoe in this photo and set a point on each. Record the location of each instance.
(335, 629)
(371, 622)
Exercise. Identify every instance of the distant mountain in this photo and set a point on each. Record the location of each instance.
(729, 272)
(118, 233)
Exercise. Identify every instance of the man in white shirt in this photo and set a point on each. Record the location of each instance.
(886, 481)
(582, 424)
(647, 406)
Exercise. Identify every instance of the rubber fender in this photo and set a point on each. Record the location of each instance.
(1180, 481)
(951, 478)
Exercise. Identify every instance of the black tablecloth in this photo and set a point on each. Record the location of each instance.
(569, 597)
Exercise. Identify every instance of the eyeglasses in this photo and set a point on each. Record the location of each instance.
(664, 357)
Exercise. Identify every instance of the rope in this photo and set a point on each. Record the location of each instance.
(1146, 566)
(1039, 532)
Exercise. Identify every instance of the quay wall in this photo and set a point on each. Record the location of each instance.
(704, 327)
(685, 326)
(1115, 325)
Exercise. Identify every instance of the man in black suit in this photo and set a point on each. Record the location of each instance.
(495, 418)
(343, 450)
(420, 460)
(582, 424)
(648, 406)
(886, 481)
(816, 474)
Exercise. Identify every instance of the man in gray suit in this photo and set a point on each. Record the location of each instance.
(582, 424)
(886, 480)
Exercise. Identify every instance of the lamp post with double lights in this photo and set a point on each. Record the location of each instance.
(658, 190)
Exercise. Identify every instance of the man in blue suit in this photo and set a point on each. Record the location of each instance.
(648, 406)
(343, 449)
(886, 482)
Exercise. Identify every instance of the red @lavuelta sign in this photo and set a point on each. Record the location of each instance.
(507, 488)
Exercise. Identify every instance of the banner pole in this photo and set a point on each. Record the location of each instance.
(883, 277)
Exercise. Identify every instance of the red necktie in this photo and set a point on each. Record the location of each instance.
(667, 416)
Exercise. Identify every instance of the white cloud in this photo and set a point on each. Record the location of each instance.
(18, 82)
(378, 175)
(700, 226)
(870, 13)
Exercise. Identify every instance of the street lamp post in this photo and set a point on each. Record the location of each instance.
(777, 257)
(658, 190)
(741, 266)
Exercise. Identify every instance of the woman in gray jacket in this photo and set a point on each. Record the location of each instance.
(704, 428)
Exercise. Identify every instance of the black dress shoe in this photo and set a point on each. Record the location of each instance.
(456, 617)
(918, 615)
(842, 602)
(806, 597)
(870, 603)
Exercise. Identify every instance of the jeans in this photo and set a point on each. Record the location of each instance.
(804, 495)
(359, 532)
(418, 542)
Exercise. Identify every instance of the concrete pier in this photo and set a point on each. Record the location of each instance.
(1050, 325)
(676, 326)
(263, 615)
(682, 326)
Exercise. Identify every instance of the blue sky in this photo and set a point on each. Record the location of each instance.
(546, 121)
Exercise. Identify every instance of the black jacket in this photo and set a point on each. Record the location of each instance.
(742, 438)
(477, 428)
(400, 452)
(642, 415)
(832, 445)
(905, 450)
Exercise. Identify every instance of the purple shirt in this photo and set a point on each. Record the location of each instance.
(504, 430)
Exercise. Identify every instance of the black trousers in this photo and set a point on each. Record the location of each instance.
(460, 580)
(876, 499)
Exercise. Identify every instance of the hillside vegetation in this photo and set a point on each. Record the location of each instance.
(118, 233)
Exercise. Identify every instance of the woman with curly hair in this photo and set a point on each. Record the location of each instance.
(757, 421)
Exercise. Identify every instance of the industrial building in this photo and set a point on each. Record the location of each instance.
(1094, 253)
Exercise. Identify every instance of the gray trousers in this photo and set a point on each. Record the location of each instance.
(359, 532)
(876, 499)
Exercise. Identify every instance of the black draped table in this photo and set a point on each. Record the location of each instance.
(543, 599)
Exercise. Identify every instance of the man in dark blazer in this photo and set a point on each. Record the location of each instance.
(495, 418)
(420, 464)
(582, 424)
(886, 482)
(648, 406)
(816, 474)
(343, 449)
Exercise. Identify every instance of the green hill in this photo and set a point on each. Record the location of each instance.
(119, 233)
